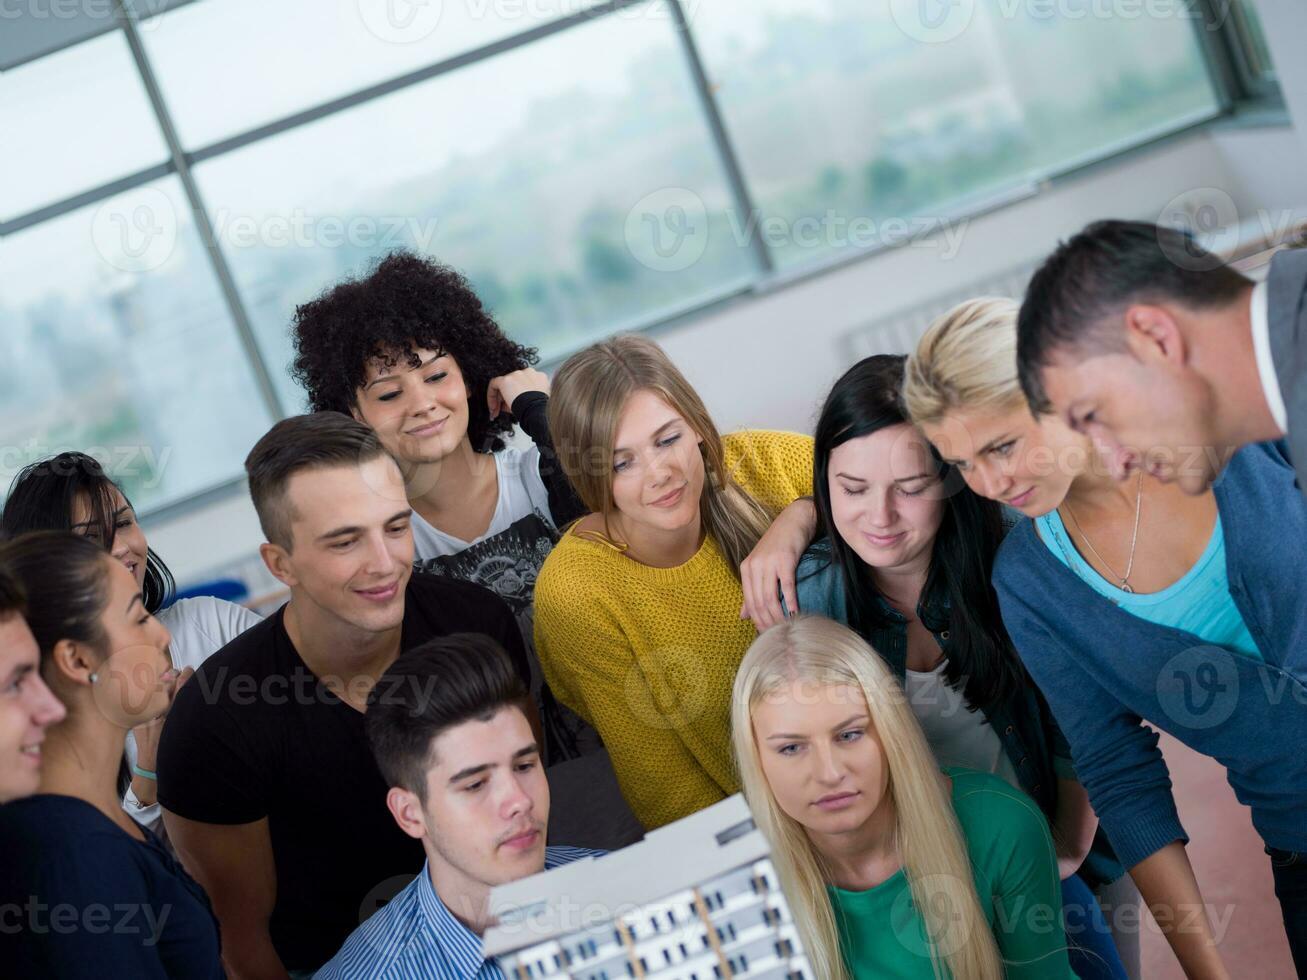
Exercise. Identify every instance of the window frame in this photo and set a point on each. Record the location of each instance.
(1224, 50)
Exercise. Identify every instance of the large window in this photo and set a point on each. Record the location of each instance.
(857, 121)
(591, 166)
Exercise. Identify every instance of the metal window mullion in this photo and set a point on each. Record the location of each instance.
(83, 199)
(235, 306)
(730, 160)
(1218, 50)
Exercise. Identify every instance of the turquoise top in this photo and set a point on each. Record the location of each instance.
(1199, 602)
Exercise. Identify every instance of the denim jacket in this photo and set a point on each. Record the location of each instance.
(1026, 730)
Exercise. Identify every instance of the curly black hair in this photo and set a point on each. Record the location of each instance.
(405, 302)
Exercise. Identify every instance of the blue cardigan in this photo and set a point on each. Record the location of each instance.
(1105, 672)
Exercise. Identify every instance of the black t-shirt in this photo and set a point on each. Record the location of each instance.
(82, 899)
(254, 734)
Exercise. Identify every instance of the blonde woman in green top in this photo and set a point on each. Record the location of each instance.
(892, 868)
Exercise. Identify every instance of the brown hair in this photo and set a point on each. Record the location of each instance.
(302, 442)
(588, 395)
(430, 689)
(13, 599)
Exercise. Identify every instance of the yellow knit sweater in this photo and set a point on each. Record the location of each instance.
(648, 655)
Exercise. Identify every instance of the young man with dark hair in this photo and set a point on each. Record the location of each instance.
(269, 791)
(410, 350)
(1171, 359)
(1174, 362)
(27, 706)
(446, 726)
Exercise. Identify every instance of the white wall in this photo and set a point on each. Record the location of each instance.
(767, 360)
(1285, 24)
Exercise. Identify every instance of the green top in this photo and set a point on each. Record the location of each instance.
(1012, 857)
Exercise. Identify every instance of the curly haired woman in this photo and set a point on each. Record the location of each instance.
(410, 350)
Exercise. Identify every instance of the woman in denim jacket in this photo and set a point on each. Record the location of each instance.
(903, 556)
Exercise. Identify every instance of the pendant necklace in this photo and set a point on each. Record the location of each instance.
(1134, 538)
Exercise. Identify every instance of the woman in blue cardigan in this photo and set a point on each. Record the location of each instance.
(1130, 603)
(904, 559)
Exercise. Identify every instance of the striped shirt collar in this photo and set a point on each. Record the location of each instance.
(457, 945)
(416, 937)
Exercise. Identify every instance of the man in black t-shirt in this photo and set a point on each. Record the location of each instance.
(270, 793)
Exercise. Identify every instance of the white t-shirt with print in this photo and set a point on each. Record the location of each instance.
(521, 493)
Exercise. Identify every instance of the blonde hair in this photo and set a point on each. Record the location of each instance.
(585, 406)
(966, 359)
(929, 839)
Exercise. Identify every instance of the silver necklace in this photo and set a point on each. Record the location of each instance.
(1134, 538)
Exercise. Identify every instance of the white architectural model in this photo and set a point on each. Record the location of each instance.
(695, 900)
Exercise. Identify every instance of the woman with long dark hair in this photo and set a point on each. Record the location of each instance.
(72, 492)
(904, 558)
(110, 899)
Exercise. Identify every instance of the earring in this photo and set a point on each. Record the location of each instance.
(94, 677)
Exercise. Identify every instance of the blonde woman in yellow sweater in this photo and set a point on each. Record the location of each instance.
(638, 619)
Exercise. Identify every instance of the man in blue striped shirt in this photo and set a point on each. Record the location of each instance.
(447, 727)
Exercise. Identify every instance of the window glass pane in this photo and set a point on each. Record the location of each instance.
(544, 174)
(230, 65)
(79, 118)
(114, 340)
(847, 113)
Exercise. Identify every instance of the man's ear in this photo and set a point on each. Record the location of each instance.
(406, 808)
(1152, 333)
(278, 561)
(73, 662)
